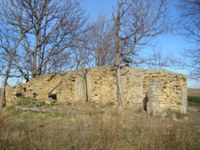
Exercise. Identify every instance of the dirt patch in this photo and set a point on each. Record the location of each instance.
(193, 92)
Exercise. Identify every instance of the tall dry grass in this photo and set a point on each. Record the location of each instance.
(111, 130)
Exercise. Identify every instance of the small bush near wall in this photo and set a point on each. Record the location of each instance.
(194, 100)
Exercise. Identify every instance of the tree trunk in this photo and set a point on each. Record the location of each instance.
(119, 87)
(117, 64)
(86, 85)
(3, 92)
(11, 57)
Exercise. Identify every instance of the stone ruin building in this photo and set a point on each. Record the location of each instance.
(156, 91)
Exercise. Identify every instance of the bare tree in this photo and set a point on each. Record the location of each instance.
(190, 22)
(101, 41)
(97, 46)
(136, 23)
(9, 63)
(8, 51)
(81, 57)
(117, 20)
(49, 43)
(158, 60)
(41, 34)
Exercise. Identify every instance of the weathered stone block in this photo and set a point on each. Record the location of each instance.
(162, 90)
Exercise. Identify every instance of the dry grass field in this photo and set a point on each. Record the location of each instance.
(85, 127)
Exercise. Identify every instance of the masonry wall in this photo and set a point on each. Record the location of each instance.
(158, 90)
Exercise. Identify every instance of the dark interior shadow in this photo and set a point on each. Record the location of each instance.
(145, 100)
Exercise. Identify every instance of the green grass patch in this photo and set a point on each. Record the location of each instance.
(29, 102)
(15, 113)
(194, 100)
(14, 109)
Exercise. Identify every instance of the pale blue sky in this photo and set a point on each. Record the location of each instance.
(170, 43)
(95, 7)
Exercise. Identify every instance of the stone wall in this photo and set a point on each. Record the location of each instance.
(157, 91)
